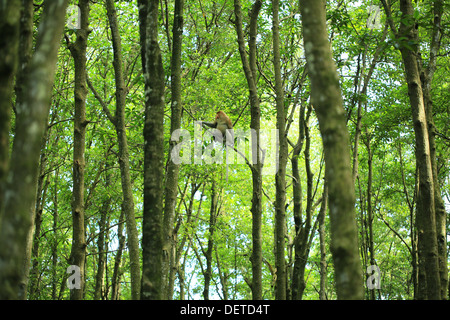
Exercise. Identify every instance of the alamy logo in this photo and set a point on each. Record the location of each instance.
(241, 146)
(373, 21)
(374, 279)
(74, 280)
(74, 17)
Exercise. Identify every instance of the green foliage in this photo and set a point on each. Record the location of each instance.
(212, 80)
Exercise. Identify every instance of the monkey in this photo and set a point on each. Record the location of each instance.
(222, 122)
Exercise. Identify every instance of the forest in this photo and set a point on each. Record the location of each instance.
(325, 175)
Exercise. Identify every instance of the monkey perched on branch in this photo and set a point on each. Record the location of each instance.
(222, 122)
(224, 131)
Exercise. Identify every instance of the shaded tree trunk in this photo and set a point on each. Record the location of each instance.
(361, 93)
(101, 247)
(297, 197)
(370, 210)
(9, 53)
(428, 274)
(177, 265)
(117, 273)
(171, 187)
(280, 176)
(425, 222)
(25, 52)
(152, 241)
(209, 250)
(33, 243)
(426, 76)
(124, 161)
(327, 102)
(32, 116)
(250, 69)
(303, 227)
(323, 254)
(54, 245)
(78, 51)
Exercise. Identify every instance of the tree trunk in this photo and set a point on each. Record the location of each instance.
(327, 101)
(250, 69)
(117, 273)
(426, 221)
(369, 209)
(426, 79)
(124, 162)
(32, 242)
(78, 50)
(24, 165)
(297, 199)
(280, 176)
(361, 93)
(171, 187)
(101, 248)
(25, 52)
(301, 242)
(209, 251)
(428, 265)
(9, 44)
(54, 245)
(323, 254)
(152, 241)
(180, 268)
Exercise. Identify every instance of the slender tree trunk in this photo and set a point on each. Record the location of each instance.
(124, 162)
(280, 176)
(223, 276)
(209, 250)
(180, 268)
(117, 273)
(33, 243)
(24, 165)
(101, 248)
(323, 254)
(369, 209)
(100, 273)
(54, 245)
(426, 79)
(440, 212)
(327, 101)
(358, 76)
(428, 264)
(152, 241)
(363, 92)
(302, 243)
(78, 50)
(171, 187)
(426, 220)
(250, 69)
(25, 52)
(9, 44)
(297, 196)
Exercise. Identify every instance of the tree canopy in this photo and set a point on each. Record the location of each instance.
(337, 185)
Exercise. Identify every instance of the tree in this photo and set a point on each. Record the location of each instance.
(26, 50)
(250, 69)
(327, 102)
(250, 233)
(280, 176)
(407, 34)
(78, 50)
(171, 186)
(9, 33)
(124, 162)
(152, 241)
(20, 191)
